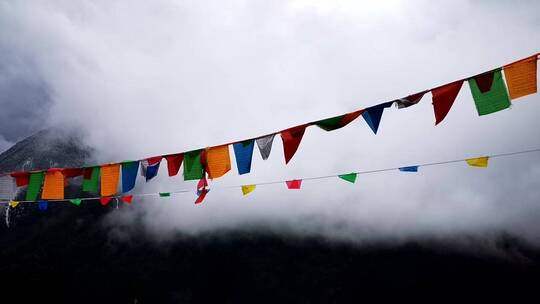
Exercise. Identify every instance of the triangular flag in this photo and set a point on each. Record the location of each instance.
(14, 204)
(409, 100)
(193, 169)
(521, 77)
(373, 115)
(164, 194)
(481, 162)
(265, 145)
(43, 205)
(218, 161)
(294, 184)
(150, 167)
(409, 169)
(91, 179)
(174, 162)
(443, 99)
(291, 140)
(53, 186)
(243, 152)
(34, 185)
(109, 179)
(129, 175)
(202, 190)
(337, 122)
(351, 177)
(247, 189)
(127, 198)
(8, 188)
(104, 200)
(489, 92)
(21, 178)
(76, 201)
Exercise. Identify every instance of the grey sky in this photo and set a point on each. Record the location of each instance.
(146, 78)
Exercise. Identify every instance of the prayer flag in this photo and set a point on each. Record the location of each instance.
(127, 198)
(218, 161)
(247, 189)
(521, 77)
(202, 190)
(373, 115)
(76, 201)
(294, 184)
(53, 186)
(481, 162)
(291, 140)
(337, 122)
(34, 185)
(109, 179)
(409, 100)
(409, 169)
(7, 187)
(105, 200)
(243, 152)
(193, 169)
(129, 175)
(72, 172)
(150, 167)
(443, 99)
(91, 179)
(14, 204)
(351, 177)
(173, 163)
(489, 92)
(21, 178)
(164, 194)
(265, 145)
(43, 205)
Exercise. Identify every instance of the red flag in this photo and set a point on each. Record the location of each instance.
(72, 172)
(154, 160)
(127, 198)
(294, 184)
(105, 200)
(443, 99)
(202, 190)
(291, 140)
(173, 163)
(21, 178)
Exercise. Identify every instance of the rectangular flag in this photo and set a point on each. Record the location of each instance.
(218, 161)
(243, 152)
(91, 179)
(481, 162)
(34, 185)
(193, 168)
(53, 186)
(521, 77)
(109, 179)
(489, 92)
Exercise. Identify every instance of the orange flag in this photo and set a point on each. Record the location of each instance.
(109, 179)
(218, 161)
(521, 77)
(53, 186)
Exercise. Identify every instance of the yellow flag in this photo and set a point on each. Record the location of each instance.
(218, 160)
(247, 189)
(53, 186)
(481, 162)
(109, 179)
(521, 77)
(14, 204)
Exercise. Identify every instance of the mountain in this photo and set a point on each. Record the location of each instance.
(66, 254)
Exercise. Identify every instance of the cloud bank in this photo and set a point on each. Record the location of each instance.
(146, 78)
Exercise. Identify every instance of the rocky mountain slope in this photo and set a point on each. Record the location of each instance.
(65, 254)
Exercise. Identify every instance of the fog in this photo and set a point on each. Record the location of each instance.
(149, 78)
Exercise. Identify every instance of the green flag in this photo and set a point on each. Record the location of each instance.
(34, 185)
(193, 169)
(489, 92)
(91, 179)
(351, 177)
(75, 201)
(164, 194)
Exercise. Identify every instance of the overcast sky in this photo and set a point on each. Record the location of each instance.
(145, 78)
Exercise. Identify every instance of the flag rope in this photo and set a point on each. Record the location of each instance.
(439, 163)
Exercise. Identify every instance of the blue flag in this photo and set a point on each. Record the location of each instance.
(42, 205)
(150, 167)
(373, 115)
(409, 169)
(243, 152)
(129, 175)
